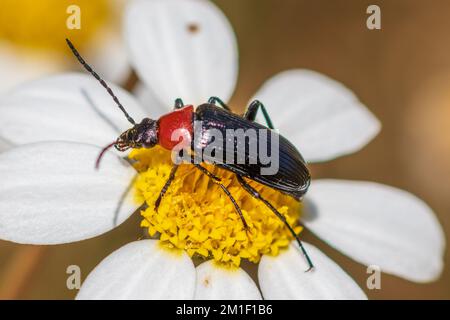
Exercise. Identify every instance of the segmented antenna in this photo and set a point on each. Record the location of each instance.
(102, 82)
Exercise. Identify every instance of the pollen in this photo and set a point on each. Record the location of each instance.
(42, 24)
(197, 216)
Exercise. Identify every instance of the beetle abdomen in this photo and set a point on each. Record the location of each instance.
(253, 151)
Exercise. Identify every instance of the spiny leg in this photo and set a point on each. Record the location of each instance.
(214, 100)
(166, 186)
(256, 195)
(252, 110)
(178, 104)
(217, 180)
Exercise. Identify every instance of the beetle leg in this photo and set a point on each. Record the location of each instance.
(256, 195)
(166, 186)
(178, 104)
(216, 180)
(214, 100)
(252, 110)
(98, 112)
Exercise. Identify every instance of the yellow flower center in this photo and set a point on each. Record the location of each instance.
(197, 216)
(42, 24)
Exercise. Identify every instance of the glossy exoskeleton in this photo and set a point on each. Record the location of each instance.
(291, 178)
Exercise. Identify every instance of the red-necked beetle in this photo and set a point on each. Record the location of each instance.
(292, 177)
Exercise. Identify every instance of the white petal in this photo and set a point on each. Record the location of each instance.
(284, 277)
(51, 193)
(55, 108)
(182, 49)
(141, 270)
(215, 283)
(320, 116)
(18, 66)
(377, 225)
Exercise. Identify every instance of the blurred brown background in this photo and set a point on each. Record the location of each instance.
(401, 72)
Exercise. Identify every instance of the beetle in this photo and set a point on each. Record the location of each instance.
(292, 177)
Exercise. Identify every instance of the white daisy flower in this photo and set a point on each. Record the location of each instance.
(28, 52)
(51, 193)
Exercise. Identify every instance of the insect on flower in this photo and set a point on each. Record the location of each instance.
(291, 178)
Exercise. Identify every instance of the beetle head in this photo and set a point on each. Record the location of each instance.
(141, 135)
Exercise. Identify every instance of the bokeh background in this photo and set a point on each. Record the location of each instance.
(401, 72)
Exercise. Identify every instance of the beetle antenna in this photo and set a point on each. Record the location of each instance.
(100, 156)
(102, 82)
